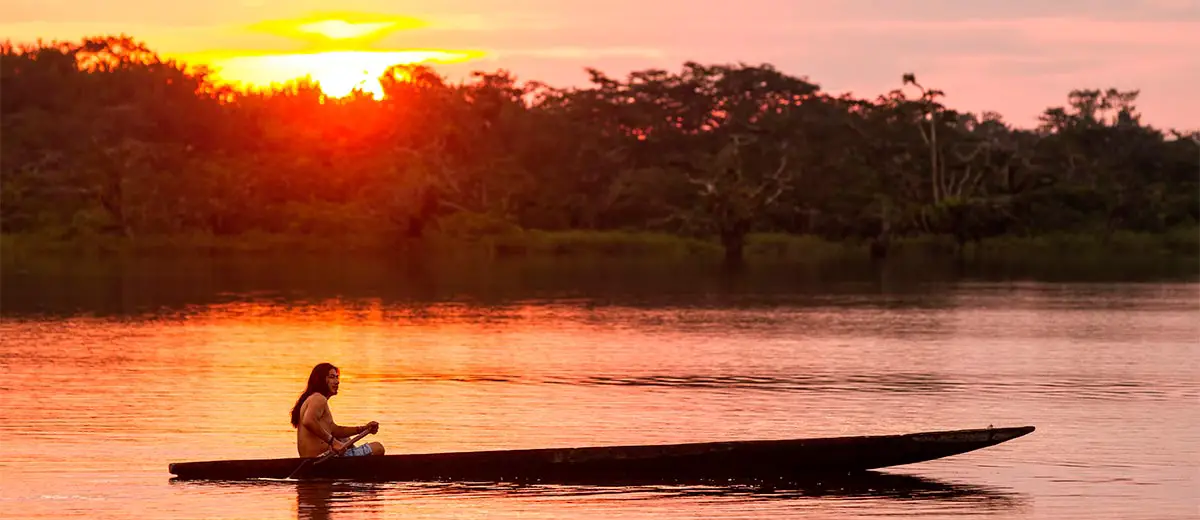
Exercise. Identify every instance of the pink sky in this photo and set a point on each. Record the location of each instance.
(1015, 57)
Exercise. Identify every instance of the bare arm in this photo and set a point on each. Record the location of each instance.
(347, 431)
(311, 420)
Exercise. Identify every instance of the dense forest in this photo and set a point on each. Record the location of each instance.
(104, 137)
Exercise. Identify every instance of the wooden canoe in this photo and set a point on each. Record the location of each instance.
(709, 461)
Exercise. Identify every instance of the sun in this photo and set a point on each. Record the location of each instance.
(338, 72)
(328, 27)
(339, 53)
(343, 30)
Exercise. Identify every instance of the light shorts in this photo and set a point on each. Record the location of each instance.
(358, 451)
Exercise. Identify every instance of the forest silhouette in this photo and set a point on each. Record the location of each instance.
(104, 138)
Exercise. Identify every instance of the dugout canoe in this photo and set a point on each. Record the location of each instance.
(713, 461)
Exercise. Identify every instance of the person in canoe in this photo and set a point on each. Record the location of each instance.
(315, 430)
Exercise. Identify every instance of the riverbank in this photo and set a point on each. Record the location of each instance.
(174, 272)
(1181, 243)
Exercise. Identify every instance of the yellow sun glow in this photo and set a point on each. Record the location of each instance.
(337, 26)
(340, 53)
(338, 72)
(341, 29)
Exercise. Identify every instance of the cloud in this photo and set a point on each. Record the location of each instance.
(184, 39)
(1005, 10)
(582, 52)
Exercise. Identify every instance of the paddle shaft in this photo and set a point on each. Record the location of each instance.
(328, 453)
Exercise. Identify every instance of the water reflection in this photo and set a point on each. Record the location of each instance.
(865, 485)
(319, 500)
(344, 499)
(512, 358)
(157, 285)
(872, 383)
(883, 383)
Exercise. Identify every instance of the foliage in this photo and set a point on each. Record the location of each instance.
(102, 138)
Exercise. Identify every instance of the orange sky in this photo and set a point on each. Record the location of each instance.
(1015, 57)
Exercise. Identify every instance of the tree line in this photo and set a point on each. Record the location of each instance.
(104, 136)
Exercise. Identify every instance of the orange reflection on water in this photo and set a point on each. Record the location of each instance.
(426, 373)
(106, 404)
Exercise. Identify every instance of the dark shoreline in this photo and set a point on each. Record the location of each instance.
(1181, 244)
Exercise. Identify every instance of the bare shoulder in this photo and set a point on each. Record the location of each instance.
(320, 402)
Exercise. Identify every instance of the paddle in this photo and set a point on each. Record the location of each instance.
(329, 453)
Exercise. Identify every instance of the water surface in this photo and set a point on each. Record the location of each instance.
(110, 374)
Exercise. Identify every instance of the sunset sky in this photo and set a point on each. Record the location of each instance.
(1015, 57)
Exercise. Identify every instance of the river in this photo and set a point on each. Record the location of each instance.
(112, 370)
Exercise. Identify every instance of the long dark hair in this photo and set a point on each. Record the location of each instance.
(316, 385)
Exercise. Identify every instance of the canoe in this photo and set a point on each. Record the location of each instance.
(707, 461)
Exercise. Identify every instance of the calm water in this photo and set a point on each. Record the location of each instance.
(110, 373)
